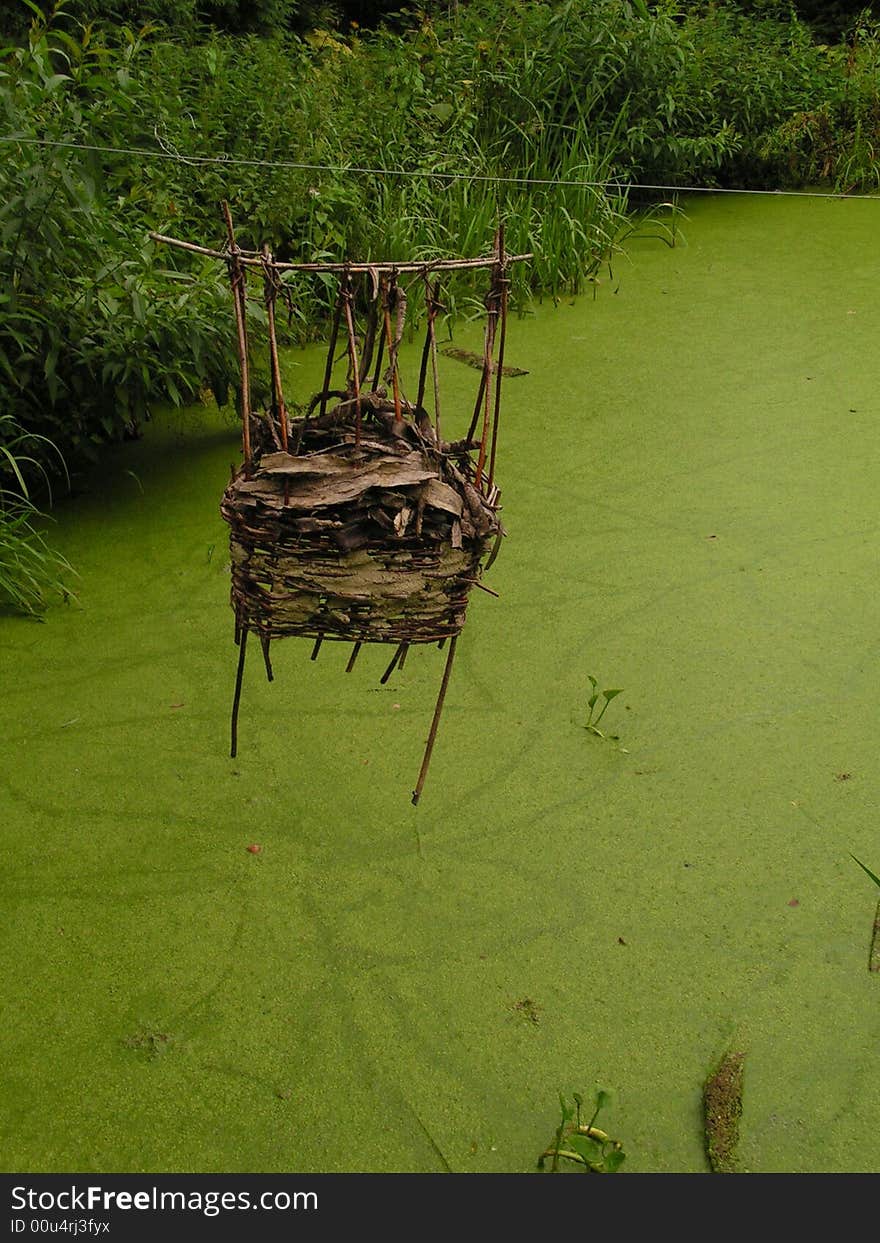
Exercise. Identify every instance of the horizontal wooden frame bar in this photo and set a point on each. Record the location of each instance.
(256, 260)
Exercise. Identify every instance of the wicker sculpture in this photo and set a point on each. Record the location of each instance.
(355, 520)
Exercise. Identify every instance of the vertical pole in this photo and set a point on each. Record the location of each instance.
(328, 369)
(270, 295)
(432, 334)
(369, 340)
(499, 367)
(392, 353)
(352, 354)
(237, 280)
(491, 320)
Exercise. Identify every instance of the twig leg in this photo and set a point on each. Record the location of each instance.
(353, 657)
(432, 736)
(317, 647)
(264, 641)
(394, 659)
(242, 648)
(404, 648)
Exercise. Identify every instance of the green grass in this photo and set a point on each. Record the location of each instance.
(31, 572)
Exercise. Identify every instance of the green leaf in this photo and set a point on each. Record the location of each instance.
(875, 879)
(614, 1160)
(589, 1149)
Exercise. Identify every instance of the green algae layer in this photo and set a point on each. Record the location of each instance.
(690, 482)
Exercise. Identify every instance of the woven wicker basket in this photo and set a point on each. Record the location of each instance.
(379, 542)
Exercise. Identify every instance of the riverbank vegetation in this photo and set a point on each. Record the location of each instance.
(411, 138)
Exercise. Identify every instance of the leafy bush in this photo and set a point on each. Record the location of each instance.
(521, 110)
(92, 331)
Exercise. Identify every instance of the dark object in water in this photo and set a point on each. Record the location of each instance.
(722, 1109)
(476, 360)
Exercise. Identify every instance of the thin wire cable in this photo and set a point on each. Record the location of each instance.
(431, 175)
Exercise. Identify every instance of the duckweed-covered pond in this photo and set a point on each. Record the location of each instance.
(691, 481)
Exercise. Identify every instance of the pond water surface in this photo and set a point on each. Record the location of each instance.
(691, 480)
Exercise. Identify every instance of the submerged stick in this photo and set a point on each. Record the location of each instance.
(432, 736)
(236, 699)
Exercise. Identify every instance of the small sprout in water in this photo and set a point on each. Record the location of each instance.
(591, 725)
(582, 1143)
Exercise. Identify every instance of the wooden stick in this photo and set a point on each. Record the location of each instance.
(352, 354)
(475, 582)
(252, 259)
(264, 643)
(403, 654)
(433, 305)
(492, 310)
(379, 354)
(236, 275)
(394, 659)
(353, 657)
(392, 353)
(423, 369)
(499, 367)
(328, 369)
(478, 405)
(236, 699)
(432, 736)
(270, 296)
(369, 341)
(317, 647)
